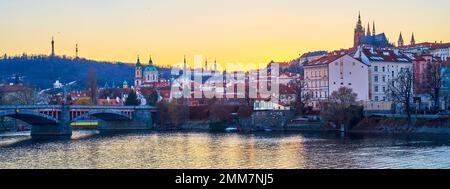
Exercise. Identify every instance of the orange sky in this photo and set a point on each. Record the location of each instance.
(242, 31)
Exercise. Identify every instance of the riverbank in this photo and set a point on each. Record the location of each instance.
(401, 125)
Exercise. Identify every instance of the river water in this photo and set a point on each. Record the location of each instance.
(89, 149)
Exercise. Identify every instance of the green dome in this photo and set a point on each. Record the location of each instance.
(125, 83)
(150, 69)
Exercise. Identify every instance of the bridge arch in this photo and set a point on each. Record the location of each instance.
(30, 117)
(105, 115)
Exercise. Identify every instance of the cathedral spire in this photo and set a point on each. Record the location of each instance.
(368, 30)
(413, 40)
(400, 40)
(359, 32)
(373, 27)
(359, 17)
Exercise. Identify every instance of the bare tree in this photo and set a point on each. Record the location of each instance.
(400, 89)
(341, 108)
(433, 83)
(302, 98)
(92, 85)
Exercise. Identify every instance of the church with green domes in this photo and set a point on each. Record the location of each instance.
(145, 75)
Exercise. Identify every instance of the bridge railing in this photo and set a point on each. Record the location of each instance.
(8, 107)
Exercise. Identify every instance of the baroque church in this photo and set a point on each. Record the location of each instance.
(145, 75)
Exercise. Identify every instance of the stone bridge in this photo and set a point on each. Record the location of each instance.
(54, 120)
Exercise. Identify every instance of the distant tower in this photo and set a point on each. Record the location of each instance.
(368, 30)
(400, 40)
(206, 65)
(184, 65)
(138, 74)
(373, 27)
(413, 40)
(53, 47)
(215, 65)
(359, 31)
(76, 51)
(150, 61)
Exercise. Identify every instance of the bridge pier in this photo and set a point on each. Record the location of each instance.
(142, 120)
(61, 129)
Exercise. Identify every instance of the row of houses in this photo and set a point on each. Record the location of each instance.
(367, 71)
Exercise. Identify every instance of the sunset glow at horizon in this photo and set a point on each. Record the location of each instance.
(232, 31)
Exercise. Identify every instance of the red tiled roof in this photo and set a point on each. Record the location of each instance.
(417, 45)
(324, 60)
(418, 58)
(386, 56)
(284, 89)
(440, 46)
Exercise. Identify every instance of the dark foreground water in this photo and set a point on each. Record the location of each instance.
(208, 150)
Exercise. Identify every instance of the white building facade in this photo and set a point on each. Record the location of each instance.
(385, 65)
(329, 73)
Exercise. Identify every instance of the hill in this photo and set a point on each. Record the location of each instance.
(43, 71)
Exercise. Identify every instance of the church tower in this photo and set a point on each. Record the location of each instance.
(368, 30)
(400, 41)
(413, 40)
(138, 74)
(359, 31)
(373, 27)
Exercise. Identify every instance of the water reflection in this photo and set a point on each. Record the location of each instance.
(222, 150)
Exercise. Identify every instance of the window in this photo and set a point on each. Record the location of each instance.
(350, 73)
(376, 79)
(384, 98)
(375, 68)
(336, 63)
(393, 74)
(342, 83)
(384, 78)
(354, 64)
(384, 89)
(384, 69)
(376, 98)
(376, 88)
(350, 84)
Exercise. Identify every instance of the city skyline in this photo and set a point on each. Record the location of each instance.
(231, 32)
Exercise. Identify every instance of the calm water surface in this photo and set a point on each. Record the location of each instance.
(221, 150)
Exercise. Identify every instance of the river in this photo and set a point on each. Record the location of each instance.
(161, 150)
